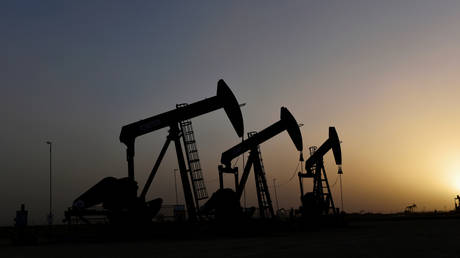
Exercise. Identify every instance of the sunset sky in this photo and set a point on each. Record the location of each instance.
(384, 73)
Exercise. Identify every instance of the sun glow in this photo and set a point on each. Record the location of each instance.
(454, 177)
(456, 181)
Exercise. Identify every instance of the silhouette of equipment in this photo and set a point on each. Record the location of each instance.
(220, 204)
(21, 219)
(320, 201)
(119, 196)
(226, 205)
(410, 209)
(21, 235)
(457, 204)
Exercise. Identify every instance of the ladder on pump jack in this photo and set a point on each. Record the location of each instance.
(321, 184)
(261, 186)
(193, 160)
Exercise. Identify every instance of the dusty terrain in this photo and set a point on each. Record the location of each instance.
(361, 238)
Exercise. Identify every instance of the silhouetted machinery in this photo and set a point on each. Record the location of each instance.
(21, 235)
(319, 201)
(410, 208)
(226, 202)
(457, 203)
(119, 196)
(21, 219)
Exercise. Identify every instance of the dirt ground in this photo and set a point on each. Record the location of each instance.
(408, 238)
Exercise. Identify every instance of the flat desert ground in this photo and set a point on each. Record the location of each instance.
(388, 238)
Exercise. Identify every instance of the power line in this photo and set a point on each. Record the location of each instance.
(292, 177)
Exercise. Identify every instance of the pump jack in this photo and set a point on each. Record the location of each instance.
(320, 202)
(223, 198)
(410, 209)
(120, 195)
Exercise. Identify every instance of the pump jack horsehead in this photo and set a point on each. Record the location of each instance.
(226, 202)
(319, 201)
(119, 196)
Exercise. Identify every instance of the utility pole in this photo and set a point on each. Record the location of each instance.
(244, 190)
(50, 215)
(175, 187)
(340, 178)
(276, 195)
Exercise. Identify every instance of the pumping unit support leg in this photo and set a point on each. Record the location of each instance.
(244, 177)
(174, 133)
(155, 168)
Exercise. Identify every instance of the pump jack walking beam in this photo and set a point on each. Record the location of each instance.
(223, 99)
